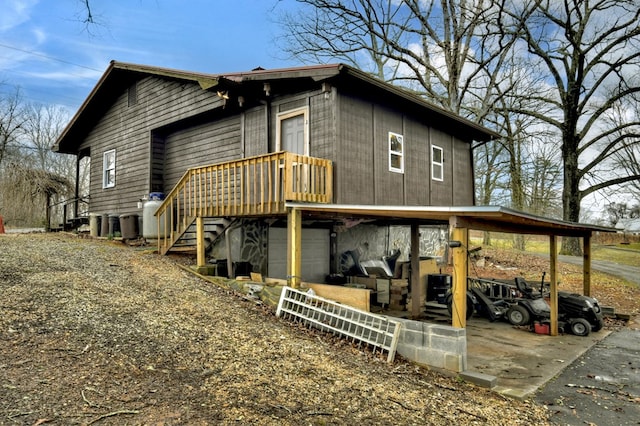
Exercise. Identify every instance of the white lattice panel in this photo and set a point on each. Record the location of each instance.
(376, 331)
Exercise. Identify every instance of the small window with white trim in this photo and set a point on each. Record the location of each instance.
(396, 153)
(109, 169)
(437, 163)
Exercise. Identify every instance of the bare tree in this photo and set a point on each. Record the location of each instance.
(27, 193)
(13, 118)
(443, 49)
(31, 175)
(591, 51)
(627, 157)
(523, 141)
(326, 31)
(41, 130)
(449, 51)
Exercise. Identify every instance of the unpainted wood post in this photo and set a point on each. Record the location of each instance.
(294, 247)
(227, 240)
(200, 247)
(460, 267)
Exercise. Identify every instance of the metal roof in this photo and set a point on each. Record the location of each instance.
(484, 218)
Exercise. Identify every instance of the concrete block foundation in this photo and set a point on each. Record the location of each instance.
(433, 345)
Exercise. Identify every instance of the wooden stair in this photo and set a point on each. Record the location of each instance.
(214, 228)
(249, 187)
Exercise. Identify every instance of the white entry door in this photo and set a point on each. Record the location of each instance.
(292, 132)
(315, 254)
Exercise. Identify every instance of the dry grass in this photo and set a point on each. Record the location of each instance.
(610, 291)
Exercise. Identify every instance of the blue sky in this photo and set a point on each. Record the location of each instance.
(47, 51)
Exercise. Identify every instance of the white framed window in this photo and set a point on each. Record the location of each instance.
(396, 153)
(437, 163)
(292, 131)
(109, 169)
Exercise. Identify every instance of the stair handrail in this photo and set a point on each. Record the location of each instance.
(256, 185)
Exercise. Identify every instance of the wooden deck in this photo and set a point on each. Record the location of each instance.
(249, 187)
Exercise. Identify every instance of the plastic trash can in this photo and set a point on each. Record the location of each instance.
(104, 225)
(114, 225)
(129, 226)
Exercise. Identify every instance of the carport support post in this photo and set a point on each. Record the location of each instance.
(553, 272)
(460, 266)
(416, 289)
(294, 247)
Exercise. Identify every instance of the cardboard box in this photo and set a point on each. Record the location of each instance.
(400, 283)
(369, 282)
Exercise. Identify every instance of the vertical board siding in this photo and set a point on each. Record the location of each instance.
(417, 164)
(441, 192)
(354, 161)
(127, 130)
(389, 186)
(157, 163)
(350, 130)
(209, 143)
(255, 132)
(462, 174)
(322, 133)
(362, 158)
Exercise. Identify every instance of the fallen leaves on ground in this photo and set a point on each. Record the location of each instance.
(94, 332)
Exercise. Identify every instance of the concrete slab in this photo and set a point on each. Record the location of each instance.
(521, 360)
(480, 379)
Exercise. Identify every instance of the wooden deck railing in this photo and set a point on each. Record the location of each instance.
(254, 186)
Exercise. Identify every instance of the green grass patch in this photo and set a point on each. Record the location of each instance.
(623, 257)
(634, 246)
(624, 254)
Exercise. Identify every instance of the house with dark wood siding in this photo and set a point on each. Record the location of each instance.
(228, 151)
(302, 175)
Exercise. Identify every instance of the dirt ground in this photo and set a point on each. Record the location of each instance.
(95, 332)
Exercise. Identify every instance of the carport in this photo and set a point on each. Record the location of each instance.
(460, 220)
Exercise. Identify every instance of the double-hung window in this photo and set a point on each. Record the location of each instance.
(437, 163)
(109, 169)
(396, 153)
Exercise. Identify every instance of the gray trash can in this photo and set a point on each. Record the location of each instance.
(104, 225)
(129, 226)
(95, 222)
(114, 225)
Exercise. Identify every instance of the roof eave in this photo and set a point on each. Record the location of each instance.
(518, 221)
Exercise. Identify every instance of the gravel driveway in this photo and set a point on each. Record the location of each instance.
(94, 332)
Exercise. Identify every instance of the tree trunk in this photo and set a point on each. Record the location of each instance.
(517, 186)
(518, 242)
(571, 195)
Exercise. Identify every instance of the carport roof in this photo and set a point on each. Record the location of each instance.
(484, 218)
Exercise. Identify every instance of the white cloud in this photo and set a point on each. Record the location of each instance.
(40, 35)
(15, 12)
